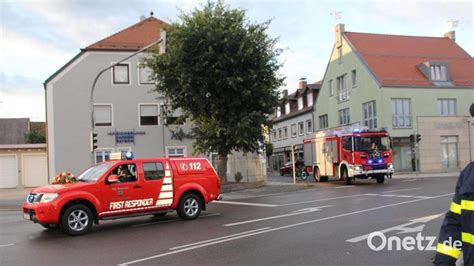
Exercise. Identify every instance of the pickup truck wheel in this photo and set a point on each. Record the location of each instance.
(50, 226)
(190, 207)
(77, 220)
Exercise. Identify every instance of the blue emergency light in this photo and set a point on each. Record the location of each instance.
(128, 155)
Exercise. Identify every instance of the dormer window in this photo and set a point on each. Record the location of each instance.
(300, 103)
(309, 98)
(278, 112)
(439, 72)
(287, 108)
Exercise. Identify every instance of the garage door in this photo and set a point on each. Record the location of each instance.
(8, 171)
(35, 172)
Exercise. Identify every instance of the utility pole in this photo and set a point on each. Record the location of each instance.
(293, 163)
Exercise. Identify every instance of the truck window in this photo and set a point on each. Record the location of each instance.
(347, 143)
(126, 173)
(153, 171)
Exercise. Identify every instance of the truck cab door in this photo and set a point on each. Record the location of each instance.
(116, 196)
(158, 183)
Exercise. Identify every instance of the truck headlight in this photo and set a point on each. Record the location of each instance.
(357, 167)
(390, 166)
(47, 197)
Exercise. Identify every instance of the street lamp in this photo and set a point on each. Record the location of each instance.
(161, 41)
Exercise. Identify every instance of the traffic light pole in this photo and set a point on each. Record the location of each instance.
(161, 41)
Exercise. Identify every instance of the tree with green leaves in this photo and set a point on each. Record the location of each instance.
(221, 70)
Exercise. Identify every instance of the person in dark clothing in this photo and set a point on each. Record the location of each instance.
(457, 232)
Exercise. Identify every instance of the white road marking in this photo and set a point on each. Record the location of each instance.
(298, 212)
(246, 203)
(410, 180)
(173, 220)
(345, 186)
(403, 228)
(218, 238)
(406, 189)
(276, 229)
(6, 245)
(311, 201)
(398, 196)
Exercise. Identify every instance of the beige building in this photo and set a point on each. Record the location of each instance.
(447, 143)
(23, 165)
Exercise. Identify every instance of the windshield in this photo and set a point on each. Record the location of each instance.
(371, 143)
(94, 172)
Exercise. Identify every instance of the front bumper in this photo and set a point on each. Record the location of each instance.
(41, 212)
(366, 173)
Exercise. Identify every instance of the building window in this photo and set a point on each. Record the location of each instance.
(176, 151)
(174, 120)
(342, 91)
(274, 135)
(331, 92)
(401, 113)
(300, 128)
(309, 126)
(447, 107)
(309, 99)
(323, 121)
(102, 155)
(439, 73)
(285, 132)
(278, 112)
(344, 117)
(279, 133)
(293, 131)
(300, 103)
(103, 115)
(449, 152)
(121, 74)
(370, 115)
(287, 108)
(145, 75)
(148, 114)
(354, 78)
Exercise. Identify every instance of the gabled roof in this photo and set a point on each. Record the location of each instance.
(132, 38)
(393, 59)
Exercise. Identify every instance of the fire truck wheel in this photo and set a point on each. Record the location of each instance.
(345, 176)
(316, 175)
(77, 220)
(380, 179)
(190, 207)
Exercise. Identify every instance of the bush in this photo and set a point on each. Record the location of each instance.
(238, 177)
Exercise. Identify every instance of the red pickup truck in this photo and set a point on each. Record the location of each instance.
(125, 188)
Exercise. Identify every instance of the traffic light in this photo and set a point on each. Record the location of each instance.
(94, 141)
(412, 138)
(418, 137)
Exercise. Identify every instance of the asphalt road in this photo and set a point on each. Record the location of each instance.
(321, 225)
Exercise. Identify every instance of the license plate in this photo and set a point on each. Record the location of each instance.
(26, 216)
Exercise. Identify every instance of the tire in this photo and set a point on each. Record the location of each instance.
(316, 175)
(50, 226)
(77, 220)
(303, 175)
(380, 179)
(345, 176)
(189, 207)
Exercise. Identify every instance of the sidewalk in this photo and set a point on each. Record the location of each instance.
(424, 175)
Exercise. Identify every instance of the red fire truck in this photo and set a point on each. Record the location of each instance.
(349, 153)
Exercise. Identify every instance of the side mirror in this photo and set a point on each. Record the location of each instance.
(113, 179)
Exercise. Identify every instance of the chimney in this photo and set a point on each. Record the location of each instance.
(339, 32)
(285, 93)
(302, 83)
(451, 35)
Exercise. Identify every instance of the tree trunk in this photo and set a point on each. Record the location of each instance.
(222, 167)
